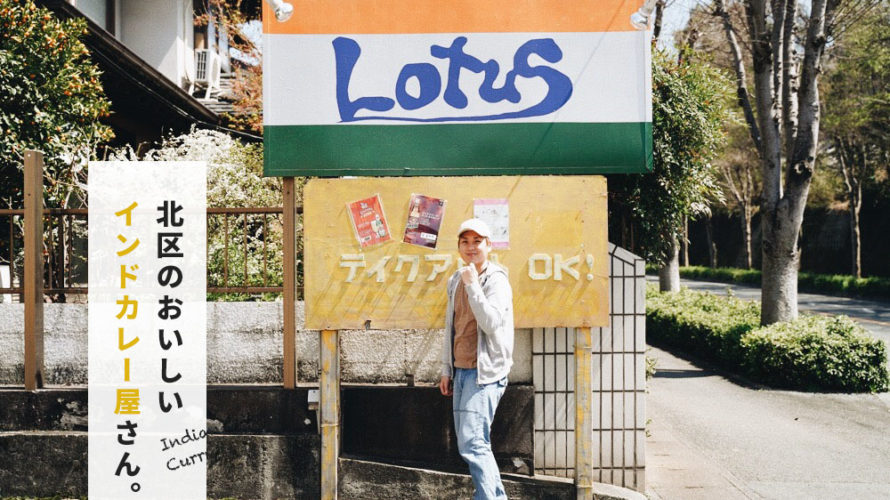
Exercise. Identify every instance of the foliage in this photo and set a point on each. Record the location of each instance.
(651, 366)
(705, 324)
(827, 188)
(809, 353)
(817, 352)
(51, 100)
(234, 179)
(248, 91)
(832, 284)
(857, 97)
(247, 87)
(688, 112)
(857, 105)
(724, 274)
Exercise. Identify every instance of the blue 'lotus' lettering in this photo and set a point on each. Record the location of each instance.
(348, 51)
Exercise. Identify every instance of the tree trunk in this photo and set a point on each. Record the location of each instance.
(855, 207)
(712, 246)
(624, 233)
(851, 165)
(669, 275)
(781, 260)
(685, 242)
(746, 235)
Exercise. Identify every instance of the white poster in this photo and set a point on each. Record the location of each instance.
(496, 213)
(147, 330)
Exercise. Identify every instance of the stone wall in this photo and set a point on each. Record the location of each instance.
(245, 346)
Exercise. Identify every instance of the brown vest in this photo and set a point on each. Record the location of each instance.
(464, 329)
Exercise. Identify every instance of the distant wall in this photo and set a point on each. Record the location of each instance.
(825, 240)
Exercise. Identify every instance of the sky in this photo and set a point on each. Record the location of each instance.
(676, 15)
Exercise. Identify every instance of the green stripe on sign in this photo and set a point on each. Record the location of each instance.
(457, 149)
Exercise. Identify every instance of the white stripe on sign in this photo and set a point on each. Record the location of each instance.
(474, 77)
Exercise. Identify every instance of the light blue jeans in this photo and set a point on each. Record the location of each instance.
(474, 407)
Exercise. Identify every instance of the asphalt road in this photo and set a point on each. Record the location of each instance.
(712, 438)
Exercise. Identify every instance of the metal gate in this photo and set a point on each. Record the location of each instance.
(619, 384)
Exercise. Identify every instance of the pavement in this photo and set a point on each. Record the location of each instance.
(715, 438)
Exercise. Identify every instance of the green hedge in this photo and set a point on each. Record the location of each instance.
(831, 284)
(728, 274)
(811, 353)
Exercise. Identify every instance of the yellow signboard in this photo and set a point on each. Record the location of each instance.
(556, 253)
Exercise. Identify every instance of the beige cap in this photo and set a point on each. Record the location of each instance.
(476, 225)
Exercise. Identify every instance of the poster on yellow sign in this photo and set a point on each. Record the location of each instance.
(557, 257)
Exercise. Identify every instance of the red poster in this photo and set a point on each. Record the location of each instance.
(424, 218)
(368, 221)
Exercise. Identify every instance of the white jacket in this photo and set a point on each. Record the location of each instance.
(491, 300)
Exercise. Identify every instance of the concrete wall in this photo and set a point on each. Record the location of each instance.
(160, 32)
(96, 10)
(245, 346)
(264, 441)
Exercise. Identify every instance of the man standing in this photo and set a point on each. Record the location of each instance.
(477, 352)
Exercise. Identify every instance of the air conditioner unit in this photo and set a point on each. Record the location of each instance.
(207, 70)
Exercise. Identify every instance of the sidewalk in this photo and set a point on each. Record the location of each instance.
(714, 439)
(678, 470)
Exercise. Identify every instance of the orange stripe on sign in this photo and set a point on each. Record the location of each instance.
(317, 17)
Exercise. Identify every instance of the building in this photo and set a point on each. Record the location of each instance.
(154, 61)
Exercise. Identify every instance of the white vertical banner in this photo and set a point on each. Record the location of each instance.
(147, 330)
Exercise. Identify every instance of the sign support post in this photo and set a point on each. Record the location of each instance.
(329, 385)
(290, 283)
(33, 283)
(583, 415)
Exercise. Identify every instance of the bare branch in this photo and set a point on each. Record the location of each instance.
(741, 76)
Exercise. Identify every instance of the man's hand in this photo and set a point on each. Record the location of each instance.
(469, 275)
(445, 386)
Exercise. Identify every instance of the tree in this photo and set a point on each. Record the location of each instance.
(740, 178)
(688, 112)
(738, 166)
(232, 17)
(857, 102)
(785, 128)
(50, 100)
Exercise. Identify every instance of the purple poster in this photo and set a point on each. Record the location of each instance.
(424, 219)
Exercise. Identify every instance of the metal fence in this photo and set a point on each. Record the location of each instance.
(243, 251)
(619, 385)
(51, 265)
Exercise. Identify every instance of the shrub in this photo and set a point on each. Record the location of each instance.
(809, 353)
(705, 324)
(729, 274)
(817, 352)
(51, 99)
